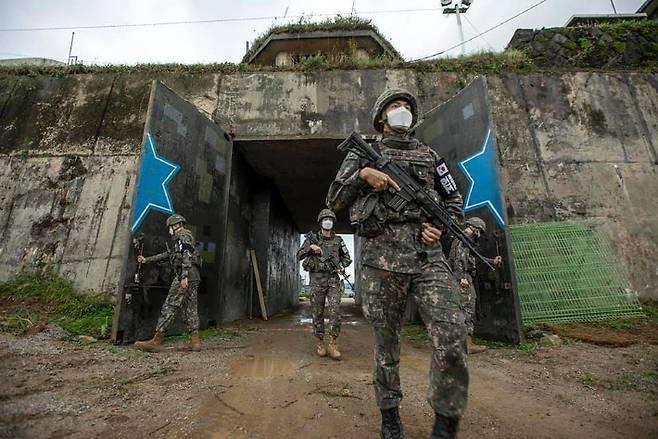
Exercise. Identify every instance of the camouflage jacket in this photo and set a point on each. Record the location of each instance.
(312, 262)
(461, 261)
(182, 255)
(392, 240)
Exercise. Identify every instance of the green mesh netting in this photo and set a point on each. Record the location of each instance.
(565, 273)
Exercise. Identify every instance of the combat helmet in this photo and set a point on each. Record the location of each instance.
(175, 219)
(326, 213)
(478, 223)
(388, 96)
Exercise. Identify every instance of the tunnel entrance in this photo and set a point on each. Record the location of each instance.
(243, 195)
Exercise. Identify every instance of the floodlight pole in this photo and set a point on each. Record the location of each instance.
(458, 9)
(461, 29)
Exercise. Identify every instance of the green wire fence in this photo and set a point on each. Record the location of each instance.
(566, 273)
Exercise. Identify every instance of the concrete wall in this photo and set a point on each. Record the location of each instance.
(573, 145)
(283, 282)
(68, 158)
(275, 240)
(583, 146)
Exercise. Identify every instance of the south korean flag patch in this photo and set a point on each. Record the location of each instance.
(447, 185)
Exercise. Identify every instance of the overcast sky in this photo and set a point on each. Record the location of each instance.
(414, 34)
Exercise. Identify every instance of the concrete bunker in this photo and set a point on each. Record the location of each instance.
(241, 194)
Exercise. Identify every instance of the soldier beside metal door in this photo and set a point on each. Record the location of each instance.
(326, 284)
(183, 292)
(401, 255)
(464, 266)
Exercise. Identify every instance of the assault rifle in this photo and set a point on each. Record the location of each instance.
(138, 245)
(410, 190)
(331, 259)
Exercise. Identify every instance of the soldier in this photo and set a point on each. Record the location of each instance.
(463, 266)
(326, 285)
(401, 255)
(183, 290)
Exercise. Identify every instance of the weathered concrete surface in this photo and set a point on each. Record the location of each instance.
(575, 145)
(583, 146)
(67, 173)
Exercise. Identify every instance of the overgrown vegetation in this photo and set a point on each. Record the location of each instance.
(590, 52)
(510, 61)
(335, 24)
(29, 300)
(631, 44)
(617, 332)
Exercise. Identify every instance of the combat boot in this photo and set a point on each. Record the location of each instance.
(473, 348)
(194, 344)
(319, 347)
(391, 424)
(332, 348)
(152, 345)
(445, 427)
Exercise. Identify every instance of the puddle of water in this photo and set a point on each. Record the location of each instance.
(262, 367)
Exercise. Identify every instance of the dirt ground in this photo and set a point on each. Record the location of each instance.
(266, 383)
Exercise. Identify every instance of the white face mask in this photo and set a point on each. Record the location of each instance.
(171, 230)
(327, 224)
(399, 119)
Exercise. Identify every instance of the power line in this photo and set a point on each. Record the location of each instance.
(481, 33)
(215, 20)
(477, 31)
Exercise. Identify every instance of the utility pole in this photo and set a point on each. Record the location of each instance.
(460, 7)
(613, 6)
(70, 48)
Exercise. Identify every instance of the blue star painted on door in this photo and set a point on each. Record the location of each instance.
(154, 175)
(484, 190)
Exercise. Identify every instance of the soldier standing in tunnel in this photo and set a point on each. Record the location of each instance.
(401, 254)
(326, 284)
(464, 268)
(183, 290)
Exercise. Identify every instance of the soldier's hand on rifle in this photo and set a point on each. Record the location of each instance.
(340, 271)
(464, 283)
(498, 260)
(141, 259)
(316, 249)
(183, 283)
(377, 179)
(430, 234)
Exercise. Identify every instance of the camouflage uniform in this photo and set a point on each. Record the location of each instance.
(184, 261)
(463, 266)
(326, 285)
(395, 263)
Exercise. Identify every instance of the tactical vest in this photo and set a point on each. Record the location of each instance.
(312, 263)
(184, 241)
(370, 213)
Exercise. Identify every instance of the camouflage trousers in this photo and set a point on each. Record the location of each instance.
(184, 299)
(384, 296)
(326, 291)
(468, 297)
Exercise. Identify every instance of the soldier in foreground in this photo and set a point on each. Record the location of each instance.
(183, 290)
(464, 268)
(401, 255)
(325, 258)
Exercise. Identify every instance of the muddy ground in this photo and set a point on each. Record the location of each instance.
(266, 383)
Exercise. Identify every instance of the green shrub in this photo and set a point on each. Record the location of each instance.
(51, 298)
